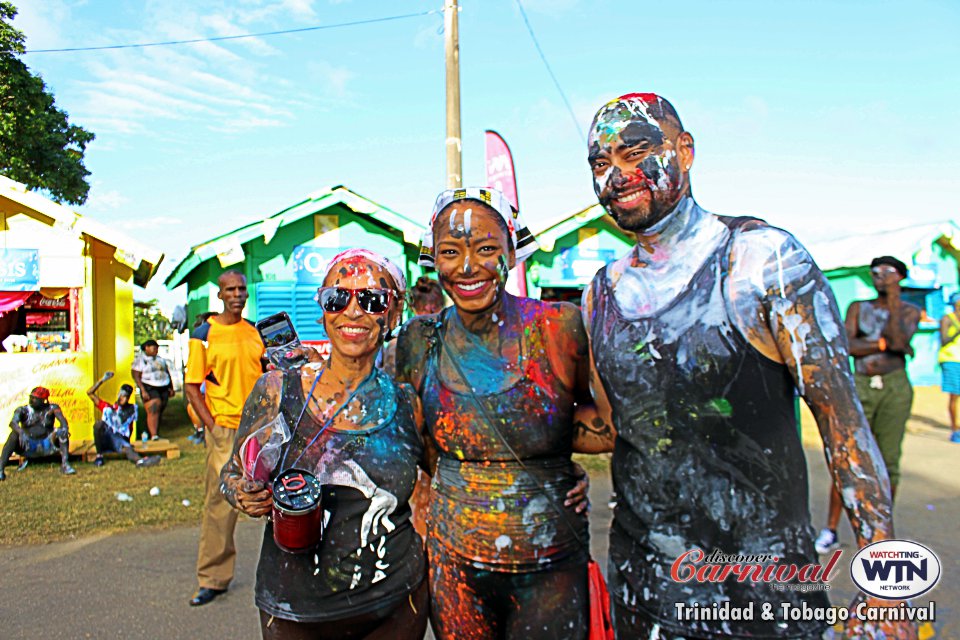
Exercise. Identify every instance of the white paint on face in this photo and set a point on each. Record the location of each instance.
(600, 182)
(453, 219)
(466, 220)
(663, 161)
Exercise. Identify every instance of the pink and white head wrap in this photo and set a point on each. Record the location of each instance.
(395, 272)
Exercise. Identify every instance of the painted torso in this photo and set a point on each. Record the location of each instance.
(37, 424)
(707, 454)
(485, 506)
(369, 558)
(872, 317)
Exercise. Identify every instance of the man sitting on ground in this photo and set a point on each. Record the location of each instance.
(32, 434)
(112, 432)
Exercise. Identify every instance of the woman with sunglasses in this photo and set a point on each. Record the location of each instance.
(499, 378)
(350, 426)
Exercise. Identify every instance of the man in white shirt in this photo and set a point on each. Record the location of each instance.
(152, 375)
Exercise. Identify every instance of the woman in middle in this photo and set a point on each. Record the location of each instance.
(352, 428)
(499, 378)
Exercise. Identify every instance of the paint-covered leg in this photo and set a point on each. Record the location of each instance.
(8, 448)
(63, 442)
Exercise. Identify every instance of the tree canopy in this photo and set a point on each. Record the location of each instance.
(38, 145)
(149, 323)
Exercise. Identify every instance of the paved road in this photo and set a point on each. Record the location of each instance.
(135, 586)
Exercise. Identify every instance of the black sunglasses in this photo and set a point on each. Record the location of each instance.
(336, 299)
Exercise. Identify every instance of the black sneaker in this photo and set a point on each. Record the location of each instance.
(149, 461)
(98, 462)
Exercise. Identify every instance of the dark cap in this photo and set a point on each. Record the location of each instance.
(891, 261)
(149, 343)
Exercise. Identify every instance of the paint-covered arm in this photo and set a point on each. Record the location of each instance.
(859, 347)
(784, 306)
(902, 323)
(60, 418)
(261, 439)
(92, 391)
(16, 420)
(413, 343)
(592, 422)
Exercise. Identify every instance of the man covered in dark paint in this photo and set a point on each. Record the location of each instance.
(699, 336)
(33, 435)
(879, 332)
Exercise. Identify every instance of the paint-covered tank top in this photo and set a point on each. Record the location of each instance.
(707, 455)
(485, 507)
(369, 558)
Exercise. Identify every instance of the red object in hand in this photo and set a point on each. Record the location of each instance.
(251, 452)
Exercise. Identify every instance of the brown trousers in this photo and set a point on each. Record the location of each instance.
(218, 553)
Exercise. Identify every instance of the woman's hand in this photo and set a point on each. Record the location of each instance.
(254, 499)
(579, 496)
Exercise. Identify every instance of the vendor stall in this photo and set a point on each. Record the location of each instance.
(66, 304)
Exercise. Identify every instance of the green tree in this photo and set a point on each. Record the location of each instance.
(38, 146)
(149, 322)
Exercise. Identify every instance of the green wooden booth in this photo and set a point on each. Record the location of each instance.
(285, 254)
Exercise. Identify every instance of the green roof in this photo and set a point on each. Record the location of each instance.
(313, 203)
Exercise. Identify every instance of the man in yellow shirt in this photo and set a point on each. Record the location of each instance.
(225, 354)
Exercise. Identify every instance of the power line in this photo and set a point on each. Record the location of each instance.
(556, 82)
(142, 45)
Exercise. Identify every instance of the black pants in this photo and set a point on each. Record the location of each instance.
(407, 621)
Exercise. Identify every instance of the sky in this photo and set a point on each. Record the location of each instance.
(826, 118)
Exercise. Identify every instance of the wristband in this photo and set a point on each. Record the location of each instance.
(882, 344)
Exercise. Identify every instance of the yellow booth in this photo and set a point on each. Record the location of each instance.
(66, 305)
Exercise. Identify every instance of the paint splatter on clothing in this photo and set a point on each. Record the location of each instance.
(476, 604)
(369, 558)
(707, 454)
(485, 506)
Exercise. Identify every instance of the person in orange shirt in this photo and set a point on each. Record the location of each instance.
(225, 357)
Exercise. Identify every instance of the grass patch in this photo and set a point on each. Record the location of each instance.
(598, 464)
(40, 505)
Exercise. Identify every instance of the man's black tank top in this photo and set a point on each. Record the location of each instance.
(707, 454)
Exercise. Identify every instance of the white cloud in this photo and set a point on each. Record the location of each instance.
(100, 200)
(333, 78)
(218, 85)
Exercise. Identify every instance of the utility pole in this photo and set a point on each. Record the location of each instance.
(451, 32)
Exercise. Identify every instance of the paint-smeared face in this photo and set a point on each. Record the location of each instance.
(353, 332)
(37, 403)
(639, 162)
(151, 350)
(472, 254)
(123, 397)
(233, 292)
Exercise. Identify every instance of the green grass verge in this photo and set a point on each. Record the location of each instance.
(40, 505)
